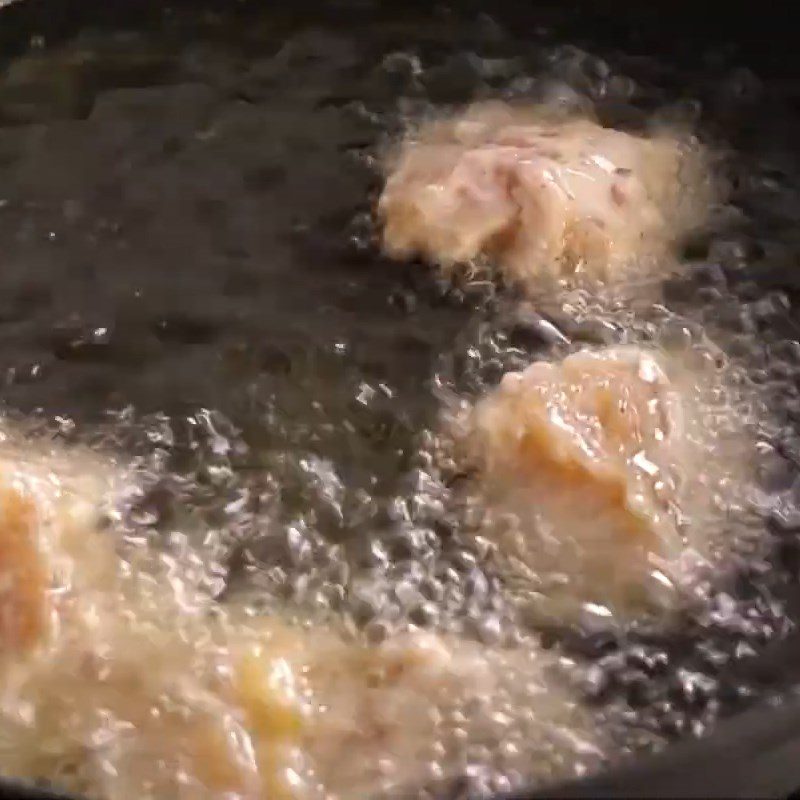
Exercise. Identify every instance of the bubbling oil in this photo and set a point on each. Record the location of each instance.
(308, 506)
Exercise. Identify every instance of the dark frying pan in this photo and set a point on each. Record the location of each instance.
(753, 753)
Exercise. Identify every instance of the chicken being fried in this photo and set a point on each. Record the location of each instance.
(589, 457)
(49, 509)
(121, 678)
(535, 196)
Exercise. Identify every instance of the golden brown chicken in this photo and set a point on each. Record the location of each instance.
(50, 505)
(121, 679)
(594, 467)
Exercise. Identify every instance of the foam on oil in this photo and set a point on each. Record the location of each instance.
(284, 459)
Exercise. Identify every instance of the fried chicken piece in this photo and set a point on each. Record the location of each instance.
(144, 686)
(586, 455)
(538, 197)
(24, 575)
(49, 508)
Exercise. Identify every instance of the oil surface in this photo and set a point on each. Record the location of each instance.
(190, 280)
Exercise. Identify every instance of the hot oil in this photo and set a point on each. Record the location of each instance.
(193, 285)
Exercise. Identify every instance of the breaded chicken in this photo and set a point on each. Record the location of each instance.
(50, 504)
(120, 679)
(537, 197)
(586, 455)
